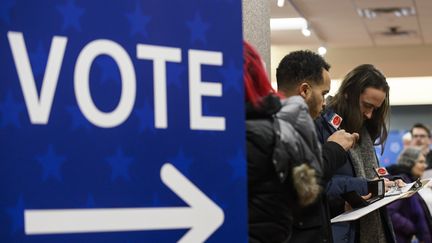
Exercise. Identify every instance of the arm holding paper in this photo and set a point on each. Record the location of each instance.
(358, 192)
(360, 212)
(411, 165)
(341, 185)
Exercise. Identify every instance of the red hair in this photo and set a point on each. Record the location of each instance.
(256, 82)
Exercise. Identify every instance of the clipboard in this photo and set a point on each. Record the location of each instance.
(407, 191)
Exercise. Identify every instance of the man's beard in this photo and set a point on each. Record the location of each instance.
(313, 106)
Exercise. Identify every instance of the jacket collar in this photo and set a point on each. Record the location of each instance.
(332, 118)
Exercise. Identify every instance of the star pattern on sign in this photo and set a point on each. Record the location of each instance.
(38, 59)
(10, 111)
(232, 76)
(71, 15)
(395, 147)
(238, 164)
(174, 73)
(119, 165)
(155, 199)
(228, 1)
(198, 29)
(109, 69)
(51, 164)
(138, 21)
(217, 199)
(16, 214)
(5, 9)
(181, 162)
(78, 120)
(90, 203)
(146, 118)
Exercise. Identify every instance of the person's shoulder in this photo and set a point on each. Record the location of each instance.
(294, 115)
(259, 125)
(260, 129)
(260, 138)
(293, 106)
(266, 108)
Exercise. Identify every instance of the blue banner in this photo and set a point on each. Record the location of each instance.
(122, 121)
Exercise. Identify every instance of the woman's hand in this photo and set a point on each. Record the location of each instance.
(400, 183)
(388, 184)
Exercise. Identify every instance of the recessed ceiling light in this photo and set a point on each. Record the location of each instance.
(371, 13)
(280, 3)
(306, 32)
(322, 50)
(288, 23)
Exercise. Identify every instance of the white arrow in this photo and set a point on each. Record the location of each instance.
(203, 216)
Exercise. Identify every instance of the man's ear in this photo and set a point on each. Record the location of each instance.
(303, 89)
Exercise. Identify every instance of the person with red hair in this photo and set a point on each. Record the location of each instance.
(256, 82)
(283, 154)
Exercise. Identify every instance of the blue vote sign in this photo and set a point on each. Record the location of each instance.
(122, 121)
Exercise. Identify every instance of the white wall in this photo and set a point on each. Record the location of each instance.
(403, 90)
(397, 63)
(393, 61)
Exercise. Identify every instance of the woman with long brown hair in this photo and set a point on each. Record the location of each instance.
(361, 105)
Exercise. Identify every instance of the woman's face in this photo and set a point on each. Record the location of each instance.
(371, 99)
(419, 166)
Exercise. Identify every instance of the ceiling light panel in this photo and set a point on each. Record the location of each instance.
(288, 24)
(398, 12)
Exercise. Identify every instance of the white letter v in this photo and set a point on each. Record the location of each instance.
(39, 107)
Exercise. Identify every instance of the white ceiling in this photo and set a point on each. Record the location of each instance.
(337, 23)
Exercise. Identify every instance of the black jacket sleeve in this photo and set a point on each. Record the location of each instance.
(334, 156)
